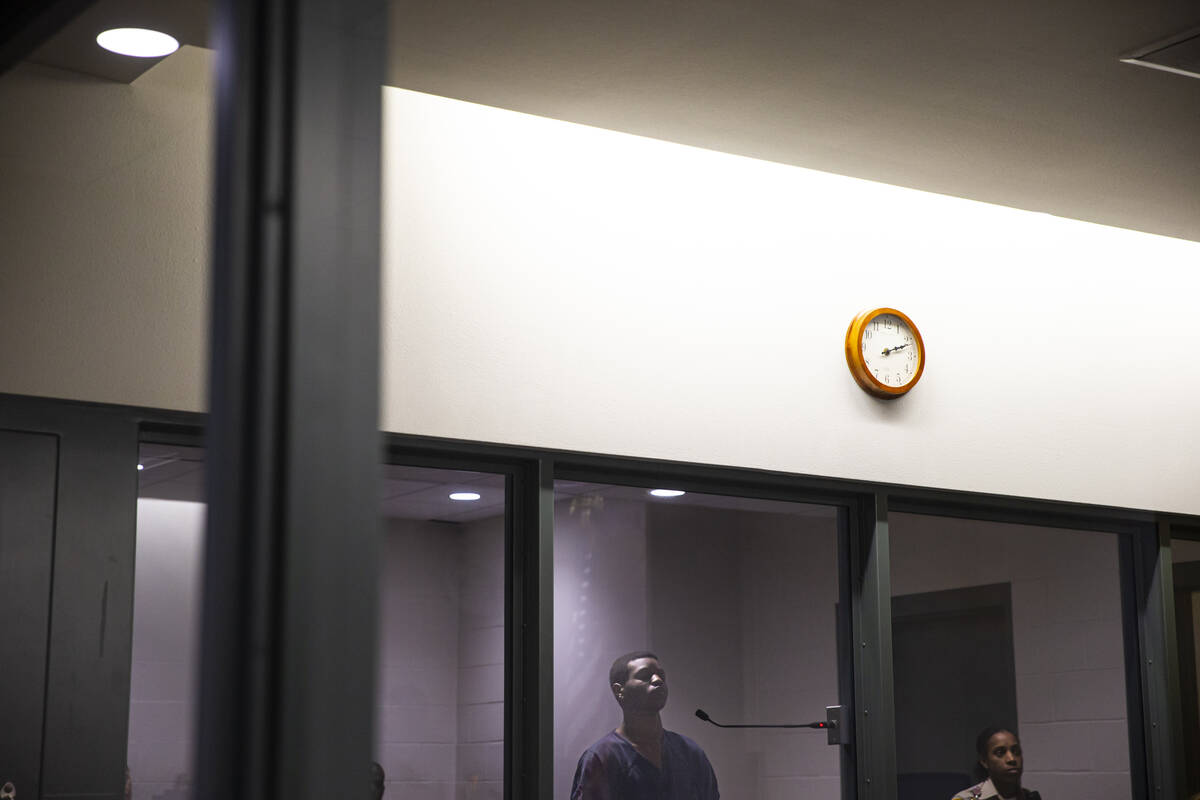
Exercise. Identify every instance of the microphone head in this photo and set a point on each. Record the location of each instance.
(700, 713)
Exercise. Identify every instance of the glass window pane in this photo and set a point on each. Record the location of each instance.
(1012, 626)
(440, 716)
(737, 598)
(1185, 550)
(166, 620)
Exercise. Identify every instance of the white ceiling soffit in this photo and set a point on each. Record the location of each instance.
(1179, 54)
(1023, 104)
(74, 47)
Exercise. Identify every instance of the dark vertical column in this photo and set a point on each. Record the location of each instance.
(875, 725)
(288, 658)
(1162, 728)
(848, 526)
(529, 728)
(28, 474)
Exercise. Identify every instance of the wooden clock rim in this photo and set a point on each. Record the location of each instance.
(858, 369)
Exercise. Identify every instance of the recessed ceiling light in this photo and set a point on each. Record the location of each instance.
(138, 42)
(667, 492)
(464, 496)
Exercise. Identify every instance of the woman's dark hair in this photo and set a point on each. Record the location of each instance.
(979, 771)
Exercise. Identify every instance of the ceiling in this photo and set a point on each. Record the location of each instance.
(1023, 103)
(169, 472)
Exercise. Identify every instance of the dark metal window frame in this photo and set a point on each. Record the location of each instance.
(1155, 730)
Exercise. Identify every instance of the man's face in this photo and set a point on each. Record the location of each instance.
(1003, 759)
(646, 687)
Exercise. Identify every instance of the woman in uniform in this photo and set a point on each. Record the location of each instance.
(998, 769)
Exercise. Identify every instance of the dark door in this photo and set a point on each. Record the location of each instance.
(954, 675)
(68, 513)
(28, 471)
(1187, 587)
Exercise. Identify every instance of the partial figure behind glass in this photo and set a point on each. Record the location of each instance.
(999, 768)
(640, 760)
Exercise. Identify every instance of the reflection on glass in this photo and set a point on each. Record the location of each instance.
(737, 601)
(440, 715)
(166, 620)
(1010, 627)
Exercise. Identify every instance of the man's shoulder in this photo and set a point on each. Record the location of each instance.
(679, 741)
(606, 745)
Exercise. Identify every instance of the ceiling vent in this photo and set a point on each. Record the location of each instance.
(1179, 54)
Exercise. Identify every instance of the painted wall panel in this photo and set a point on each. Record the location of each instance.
(104, 219)
(555, 285)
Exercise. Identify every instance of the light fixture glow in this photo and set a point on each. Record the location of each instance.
(141, 467)
(667, 492)
(138, 42)
(465, 496)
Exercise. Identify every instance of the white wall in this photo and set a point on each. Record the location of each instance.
(166, 627)
(440, 733)
(744, 603)
(104, 220)
(554, 285)
(417, 722)
(599, 613)
(480, 747)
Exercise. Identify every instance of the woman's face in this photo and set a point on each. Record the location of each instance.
(1003, 758)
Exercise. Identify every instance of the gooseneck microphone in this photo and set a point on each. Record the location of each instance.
(704, 716)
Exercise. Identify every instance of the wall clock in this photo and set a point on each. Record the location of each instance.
(884, 352)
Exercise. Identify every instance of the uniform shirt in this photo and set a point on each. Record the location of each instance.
(987, 791)
(613, 769)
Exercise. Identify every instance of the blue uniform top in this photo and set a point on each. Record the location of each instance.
(613, 769)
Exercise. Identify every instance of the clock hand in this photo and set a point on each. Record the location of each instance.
(889, 350)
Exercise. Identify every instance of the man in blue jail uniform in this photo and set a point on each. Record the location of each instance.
(640, 760)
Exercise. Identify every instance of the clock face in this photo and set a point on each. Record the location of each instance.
(890, 350)
(885, 352)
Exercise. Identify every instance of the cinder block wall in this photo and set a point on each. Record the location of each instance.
(418, 687)
(743, 604)
(480, 744)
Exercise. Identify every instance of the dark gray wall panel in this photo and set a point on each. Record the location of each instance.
(28, 466)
